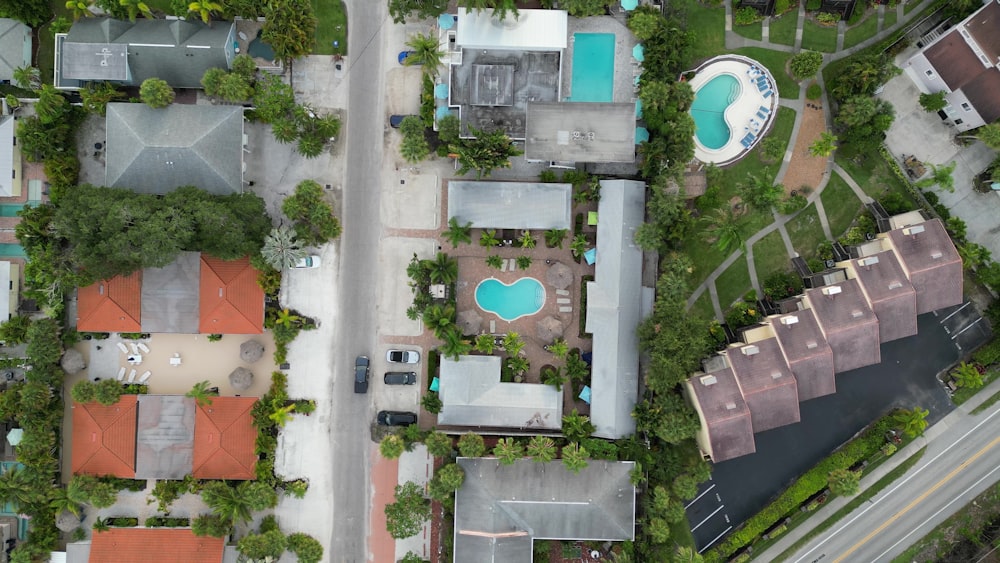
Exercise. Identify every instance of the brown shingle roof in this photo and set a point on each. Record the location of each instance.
(890, 293)
(231, 301)
(931, 262)
(725, 415)
(224, 439)
(962, 69)
(849, 324)
(984, 26)
(104, 438)
(807, 352)
(154, 545)
(767, 383)
(983, 93)
(954, 60)
(113, 305)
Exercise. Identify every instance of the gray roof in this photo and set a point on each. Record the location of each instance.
(7, 155)
(511, 205)
(807, 352)
(157, 150)
(848, 322)
(501, 509)
(614, 306)
(15, 47)
(473, 395)
(931, 262)
(164, 437)
(725, 417)
(766, 382)
(170, 298)
(580, 132)
(890, 294)
(177, 51)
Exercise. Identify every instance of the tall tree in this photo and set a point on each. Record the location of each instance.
(136, 7)
(426, 53)
(576, 426)
(290, 28)
(911, 421)
(314, 220)
(454, 344)
(507, 451)
(34, 13)
(27, 77)
(844, 482)
(391, 446)
(204, 9)
(485, 153)
(990, 135)
(201, 393)
(457, 234)
(574, 457)
(156, 93)
(419, 9)
(438, 444)
(542, 449)
(406, 516)
(940, 177)
(724, 225)
(824, 146)
(471, 445)
(281, 250)
(237, 504)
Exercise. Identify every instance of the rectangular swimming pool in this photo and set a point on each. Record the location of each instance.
(593, 68)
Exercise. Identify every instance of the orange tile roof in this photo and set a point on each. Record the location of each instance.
(104, 438)
(154, 545)
(231, 302)
(224, 439)
(113, 305)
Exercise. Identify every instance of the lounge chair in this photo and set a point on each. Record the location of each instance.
(761, 115)
(562, 292)
(144, 348)
(767, 94)
(145, 377)
(122, 347)
(565, 309)
(765, 110)
(503, 265)
(121, 374)
(134, 347)
(563, 301)
(131, 376)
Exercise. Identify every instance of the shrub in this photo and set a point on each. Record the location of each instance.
(432, 403)
(806, 63)
(989, 354)
(826, 18)
(305, 547)
(782, 6)
(746, 16)
(792, 204)
(780, 285)
(813, 5)
(814, 91)
(933, 102)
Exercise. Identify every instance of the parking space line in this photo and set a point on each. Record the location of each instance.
(954, 312)
(699, 496)
(724, 532)
(721, 506)
(959, 333)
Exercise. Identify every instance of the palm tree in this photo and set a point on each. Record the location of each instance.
(442, 269)
(204, 8)
(502, 7)
(973, 255)
(28, 77)
(79, 8)
(489, 238)
(280, 249)
(990, 135)
(523, 262)
(136, 7)
(579, 245)
(542, 449)
(391, 447)
(512, 343)
(940, 176)
(471, 445)
(60, 501)
(237, 504)
(485, 343)
(518, 364)
(287, 319)
(554, 237)
(554, 376)
(577, 426)
(439, 318)
(457, 234)
(201, 393)
(574, 457)
(912, 422)
(426, 52)
(576, 368)
(455, 344)
(725, 226)
(508, 451)
(526, 240)
(282, 415)
(967, 376)
(559, 348)
(17, 488)
(844, 482)
(824, 146)
(494, 261)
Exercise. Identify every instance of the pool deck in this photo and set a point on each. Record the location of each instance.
(626, 68)
(741, 115)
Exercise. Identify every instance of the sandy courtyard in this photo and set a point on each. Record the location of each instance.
(805, 169)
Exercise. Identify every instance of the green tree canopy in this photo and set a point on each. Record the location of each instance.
(418, 9)
(934, 102)
(471, 445)
(806, 63)
(314, 220)
(305, 547)
(289, 28)
(260, 546)
(406, 516)
(844, 482)
(485, 153)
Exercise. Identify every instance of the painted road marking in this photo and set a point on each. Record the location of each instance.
(699, 496)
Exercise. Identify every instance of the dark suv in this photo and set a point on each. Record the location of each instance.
(361, 374)
(396, 418)
(400, 377)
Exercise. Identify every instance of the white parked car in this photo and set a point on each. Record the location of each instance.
(308, 262)
(402, 356)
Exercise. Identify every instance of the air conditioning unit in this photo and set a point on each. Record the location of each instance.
(707, 380)
(832, 290)
(789, 320)
(750, 350)
(914, 230)
(867, 262)
(731, 406)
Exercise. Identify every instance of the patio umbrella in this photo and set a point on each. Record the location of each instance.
(241, 379)
(559, 275)
(441, 91)
(67, 521)
(629, 5)
(549, 328)
(641, 135)
(251, 351)
(446, 21)
(442, 112)
(469, 321)
(15, 436)
(72, 361)
(638, 53)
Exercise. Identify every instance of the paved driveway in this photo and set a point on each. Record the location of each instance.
(906, 377)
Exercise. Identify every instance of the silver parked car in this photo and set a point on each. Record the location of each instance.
(402, 356)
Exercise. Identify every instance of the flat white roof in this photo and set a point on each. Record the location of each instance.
(511, 205)
(532, 30)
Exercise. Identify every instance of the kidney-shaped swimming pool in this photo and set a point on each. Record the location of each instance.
(510, 302)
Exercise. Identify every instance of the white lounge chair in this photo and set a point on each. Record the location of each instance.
(565, 309)
(176, 360)
(144, 348)
(563, 300)
(122, 347)
(121, 374)
(134, 347)
(131, 376)
(493, 326)
(562, 292)
(145, 377)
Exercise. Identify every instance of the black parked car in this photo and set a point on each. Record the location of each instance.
(396, 418)
(400, 377)
(361, 374)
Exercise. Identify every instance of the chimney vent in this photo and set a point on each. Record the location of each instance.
(730, 406)
(895, 285)
(914, 230)
(857, 313)
(811, 344)
(775, 375)
(750, 350)
(707, 380)
(789, 320)
(936, 254)
(868, 262)
(832, 290)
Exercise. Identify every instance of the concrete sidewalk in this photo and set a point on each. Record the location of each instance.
(936, 436)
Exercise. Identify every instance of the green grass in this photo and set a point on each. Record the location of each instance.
(909, 6)
(752, 31)
(806, 232)
(965, 524)
(770, 256)
(858, 33)
(733, 283)
(819, 38)
(857, 501)
(871, 172)
(708, 25)
(889, 19)
(963, 394)
(775, 62)
(331, 25)
(782, 30)
(702, 306)
(987, 403)
(840, 204)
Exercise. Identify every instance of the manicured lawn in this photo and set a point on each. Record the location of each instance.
(752, 31)
(819, 38)
(708, 24)
(702, 306)
(331, 18)
(775, 62)
(909, 6)
(871, 172)
(858, 33)
(889, 19)
(806, 232)
(770, 256)
(782, 30)
(841, 205)
(733, 284)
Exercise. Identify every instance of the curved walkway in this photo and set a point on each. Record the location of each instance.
(735, 41)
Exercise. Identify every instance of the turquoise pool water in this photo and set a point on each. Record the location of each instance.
(257, 48)
(593, 67)
(520, 299)
(12, 251)
(708, 109)
(11, 209)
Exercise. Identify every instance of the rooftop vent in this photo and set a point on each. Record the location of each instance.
(707, 380)
(914, 230)
(100, 289)
(936, 254)
(868, 262)
(811, 344)
(832, 290)
(789, 320)
(857, 313)
(730, 406)
(895, 285)
(750, 350)
(775, 374)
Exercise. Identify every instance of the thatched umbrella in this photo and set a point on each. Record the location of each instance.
(559, 275)
(469, 321)
(251, 351)
(72, 361)
(241, 379)
(549, 328)
(67, 521)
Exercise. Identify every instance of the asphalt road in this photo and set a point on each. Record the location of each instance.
(355, 334)
(959, 464)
